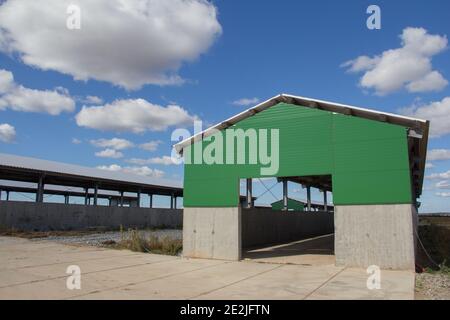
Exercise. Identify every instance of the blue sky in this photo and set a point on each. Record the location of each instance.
(257, 50)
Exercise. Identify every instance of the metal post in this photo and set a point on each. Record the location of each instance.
(249, 193)
(325, 205)
(86, 196)
(285, 195)
(95, 194)
(151, 200)
(40, 190)
(308, 197)
(139, 199)
(121, 198)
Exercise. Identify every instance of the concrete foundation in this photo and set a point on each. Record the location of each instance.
(381, 235)
(262, 226)
(212, 233)
(57, 216)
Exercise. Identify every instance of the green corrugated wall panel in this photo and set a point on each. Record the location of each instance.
(367, 159)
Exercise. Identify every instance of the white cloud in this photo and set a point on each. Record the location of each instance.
(133, 115)
(114, 143)
(443, 194)
(143, 171)
(92, 100)
(151, 145)
(164, 160)
(437, 112)
(442, 175)
(127, 43)
(244, 102)
(438, 154)
(76, 141)
(429, 165)
(109, 153)
(19, 98)
(7, 133)
(445, 184)
(406, 67)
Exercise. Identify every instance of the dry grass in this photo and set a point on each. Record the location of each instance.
(134, 240)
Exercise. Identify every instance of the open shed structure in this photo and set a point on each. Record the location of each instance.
(373, 163)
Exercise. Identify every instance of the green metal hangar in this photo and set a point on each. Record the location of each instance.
(373, 163)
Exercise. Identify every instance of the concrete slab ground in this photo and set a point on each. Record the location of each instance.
(37, 270)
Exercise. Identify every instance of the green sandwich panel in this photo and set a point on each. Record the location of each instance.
(368, 160)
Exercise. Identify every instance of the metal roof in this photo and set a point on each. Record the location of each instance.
(417, 128)
(26, 169)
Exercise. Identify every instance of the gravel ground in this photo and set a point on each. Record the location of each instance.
(434, 286)
(97, 239)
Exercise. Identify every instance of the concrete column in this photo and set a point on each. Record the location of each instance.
(7, 195)
(121, 198)
(66, 199)
(212, 233)
(308, 197)
(285, 195)
(95, 194)
(325, 204)
(40, 190)
(151, 200)
(0, 194)
(171, 201)
(175, 202)
(381, 235)
(249, 193)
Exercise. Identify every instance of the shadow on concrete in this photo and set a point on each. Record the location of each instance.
(318, 250)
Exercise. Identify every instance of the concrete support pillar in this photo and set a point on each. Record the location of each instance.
(249, 193)
(151, 200)
(121, 198)
(0, 194)
(212, 233)
(7, 195)
(285, 195)
(381, 235)
(308, 197)
(40, 190)
(66, 199)
(95, 194)
(86, 196)
(171, 201)
(325, 204)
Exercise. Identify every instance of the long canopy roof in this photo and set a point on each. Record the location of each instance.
(26, 169)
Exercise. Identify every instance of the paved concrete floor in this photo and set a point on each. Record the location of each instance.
(36, 270)
(310, 252)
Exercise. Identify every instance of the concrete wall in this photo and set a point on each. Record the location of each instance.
(381, 235)
(56, 216)
(265, 226)
(212, 233)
